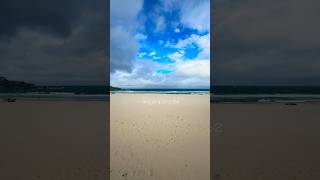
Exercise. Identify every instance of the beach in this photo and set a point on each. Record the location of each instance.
(160, 136)
(265, 141)
(58, 140)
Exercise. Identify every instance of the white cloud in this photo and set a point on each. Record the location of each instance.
(160, 24)
(202, 42)
(177, 30)
(140, 36)
(141, 55)
(187, 74)
(152, 53)
(129, 80)
(196, 68)
(169, 44)
(142, 75)
(177, 56)
(196, 15)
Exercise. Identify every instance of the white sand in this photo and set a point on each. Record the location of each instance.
(160, 136)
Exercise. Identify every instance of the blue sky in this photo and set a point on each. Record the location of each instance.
(160, 43)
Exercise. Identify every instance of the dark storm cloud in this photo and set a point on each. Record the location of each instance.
(54, 42)
(51, 16)
(267, 42)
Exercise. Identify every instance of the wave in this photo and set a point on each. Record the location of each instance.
(265, 98)
(55, 96)
(163, 92)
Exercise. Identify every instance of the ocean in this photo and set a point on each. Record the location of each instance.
(87, 93)
(218, 94)
(265, 94)
(165, 91)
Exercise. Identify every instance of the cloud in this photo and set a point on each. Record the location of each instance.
(152, 53)
(144, 75)
(198, 68)
(177, 56)
(123, 32)
(35, 15)
(168, 63)
(201, 41)
(141, 55)
(140, 36)
(123, 49)
(267, 43)
(160, 24)
(124, 12)
(54, 43)
(181, 73)
(195, 14)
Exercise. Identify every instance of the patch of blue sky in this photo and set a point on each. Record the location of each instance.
(159, 44)
(163, 46)
(191, 52)
(164, 71)
(171, 35)
(159, 55)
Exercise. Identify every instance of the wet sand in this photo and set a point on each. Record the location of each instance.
(266, 141)
(53, 140)
(160, 136)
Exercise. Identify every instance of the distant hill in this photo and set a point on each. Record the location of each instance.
(115, 88)
(15, 86)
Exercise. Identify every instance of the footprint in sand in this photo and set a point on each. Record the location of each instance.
(151, 171)
(37, 177)
(217, 176)
(80, 169)
(116, 153)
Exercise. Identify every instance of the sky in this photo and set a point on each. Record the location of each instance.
(54, 42)
(266, 42)
(160, 43)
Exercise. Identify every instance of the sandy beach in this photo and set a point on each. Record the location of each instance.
(266, 141)
(160, 136)
(53, 140)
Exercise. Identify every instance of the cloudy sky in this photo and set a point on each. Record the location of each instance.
(266, 42)
(54, 42)
(160, 43)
